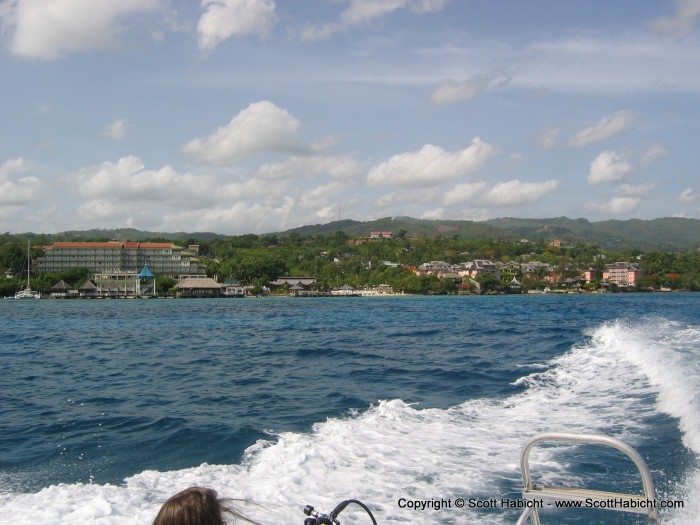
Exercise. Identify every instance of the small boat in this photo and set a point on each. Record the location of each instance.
(28, 293)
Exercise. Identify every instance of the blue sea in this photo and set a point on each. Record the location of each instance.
(108, 407)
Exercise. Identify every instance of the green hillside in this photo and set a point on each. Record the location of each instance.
(671, 234)
(412, 227)
(665, 234)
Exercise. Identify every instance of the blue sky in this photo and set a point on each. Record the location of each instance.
(252, 116)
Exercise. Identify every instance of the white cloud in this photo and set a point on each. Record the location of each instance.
(295, 168)
(20, 191)
(515, 193)
(125, 192)
(320, 201)
(413, 196)
(430, 165)
(262, 126)
(605, 128)
(223, 19)
(681, 22)
(127, 180)
(434, 214)
(18, 165)
(101, 209)
(640, 190)
(450, 91)
(51, 31)
(253, 192)
(688, 196)
(609, 166)
(463, 193)
(365, 11)
(654, 153)
(274, 211)
(116, 130)
(241, 216)
(615, 206)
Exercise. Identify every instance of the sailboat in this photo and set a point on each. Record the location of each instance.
(28, 293)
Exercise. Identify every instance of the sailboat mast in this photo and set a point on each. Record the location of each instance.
(28, 262)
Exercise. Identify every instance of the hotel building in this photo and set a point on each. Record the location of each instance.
(115, 257)
(622, 273)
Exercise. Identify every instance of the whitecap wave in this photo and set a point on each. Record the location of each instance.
(613, 383)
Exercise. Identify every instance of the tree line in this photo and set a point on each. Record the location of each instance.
(337, 259)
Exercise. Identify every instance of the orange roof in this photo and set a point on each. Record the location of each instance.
(156, 244)
(112, 244)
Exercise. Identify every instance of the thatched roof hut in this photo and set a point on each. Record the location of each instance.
(88, 288)
(198, 287)
(61, 286)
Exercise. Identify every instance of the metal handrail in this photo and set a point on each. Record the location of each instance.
(594, 439)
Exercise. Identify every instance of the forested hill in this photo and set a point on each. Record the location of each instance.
(665, 234)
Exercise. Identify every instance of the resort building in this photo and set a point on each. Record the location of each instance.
(303, 283)
(438, 268)
(622, 273)
(537, 270)
(198, 287)
(481, 267)
(116, 257)
(473, 269)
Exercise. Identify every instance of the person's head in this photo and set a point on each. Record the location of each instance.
(196, 506)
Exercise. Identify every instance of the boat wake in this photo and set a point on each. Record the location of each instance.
(635, 381)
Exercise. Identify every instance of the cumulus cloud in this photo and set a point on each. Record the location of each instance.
(609, 166)
(340, 168)
(17, 191)
(615, 206)
(320, 201)
(18, 165)
(640, 190)
(450, 91)
(223, 19)
(126, 192)
(247, 217)
(604, 129)
(515, 192)
(101, 209)
(654, 153)
(128, 180)
(402, 197)
(116, 130)
(463, 193)
(688, 196)
(49, 32)
(681, 22)
(430, 165)
(262, 126)
(365, 11)
(273, 210)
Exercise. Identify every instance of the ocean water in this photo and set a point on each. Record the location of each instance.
(109, 407)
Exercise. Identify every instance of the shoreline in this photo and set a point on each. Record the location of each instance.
(358, 295)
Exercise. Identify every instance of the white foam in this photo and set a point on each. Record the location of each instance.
(395, 450)
(669, 355)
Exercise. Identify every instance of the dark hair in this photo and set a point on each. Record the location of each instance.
(197, 506)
